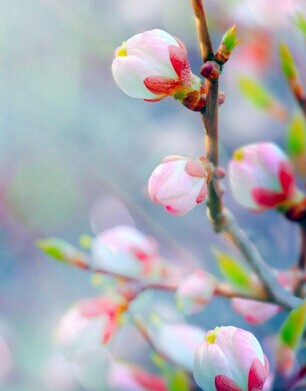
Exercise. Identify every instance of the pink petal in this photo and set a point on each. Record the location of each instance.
(194, 169)
(224, 383)
(286, 177)
(155, 100)
(160, 85)
(257, 376)
(202, 195)
(180, 63)
(267, 198)
(149, 381)
(98, 306)
(181, 44)
(109, 330)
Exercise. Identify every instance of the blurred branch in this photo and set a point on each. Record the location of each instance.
(291, 74)
(221, 220)
(302, 258)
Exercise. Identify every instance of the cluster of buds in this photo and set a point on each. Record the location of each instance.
(154, 65)
(230, 359)
(179, 183)
(266, 176)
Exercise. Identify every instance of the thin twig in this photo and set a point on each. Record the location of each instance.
(302, 258)
(276, 292)
(204, 37)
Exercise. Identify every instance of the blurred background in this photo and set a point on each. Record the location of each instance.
(76, 154)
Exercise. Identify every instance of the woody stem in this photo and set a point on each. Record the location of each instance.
(223, 221)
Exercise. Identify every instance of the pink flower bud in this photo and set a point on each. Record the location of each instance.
(195, 291)
(230, 359)
(179, 184)
(125, 251)
(254, 311)
(175, 341)
(261, 177)
(88, 325)
(124, 376)
(153, 65)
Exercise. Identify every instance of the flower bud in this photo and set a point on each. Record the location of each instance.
(124, 251)
(261, 177)
(195, 292)
(253, 311)
(230, 359)
(89, 324)
(175, 341)
(153, 65)
(228, 43)
(179, 184)
(123, 376)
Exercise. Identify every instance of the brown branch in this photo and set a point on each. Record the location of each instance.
(302, 258)
(203, 33)
(298, 92)
(275, 291)
(221, 220)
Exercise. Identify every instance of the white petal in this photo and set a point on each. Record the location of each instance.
(129, 73)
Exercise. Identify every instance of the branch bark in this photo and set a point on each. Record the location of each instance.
(203, 33)
(222, 221)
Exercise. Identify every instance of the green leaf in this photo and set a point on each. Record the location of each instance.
(62, 251)
(232, 270)
(300, 22)
(293, 328)
(296, 136)
(256, 93)
(178, 380)
(287, 62)
(229, 39)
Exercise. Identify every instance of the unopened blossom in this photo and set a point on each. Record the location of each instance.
(257, 312)
(253, 311)
(88, 325)
(125, 251)
(195, 291)
(230, 359)
(179, 184)
(176, 341)
(153, 65)
(261, 177)
(123, 376)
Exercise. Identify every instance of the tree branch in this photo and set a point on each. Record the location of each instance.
(204, 37)
(302, 258)
(223, 221)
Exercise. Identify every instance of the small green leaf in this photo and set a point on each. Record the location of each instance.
(300, 22)
(229, 39)
(232, 270)
(287, 61)
(62, 251)
(296, 136)
(178, 380)
(293, 328)
(256, 93)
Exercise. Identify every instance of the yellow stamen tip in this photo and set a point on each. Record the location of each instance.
(211, 337)
(122, 51)
(238, 155)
